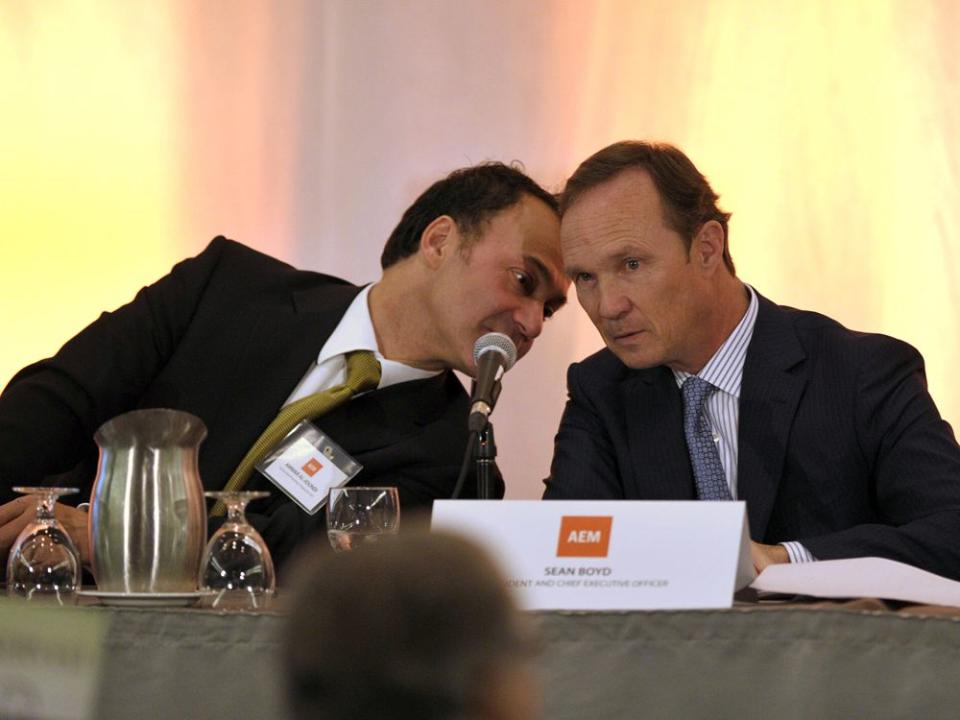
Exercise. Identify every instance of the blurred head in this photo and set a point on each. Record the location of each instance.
(645, 245)
(420, 628)
(487, 239)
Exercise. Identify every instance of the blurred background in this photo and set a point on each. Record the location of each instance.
(133, 131)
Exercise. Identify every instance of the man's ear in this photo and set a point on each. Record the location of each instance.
(706, 250)
(439, 240)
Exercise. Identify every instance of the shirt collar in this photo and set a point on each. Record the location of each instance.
(725, 369)
(355, 332)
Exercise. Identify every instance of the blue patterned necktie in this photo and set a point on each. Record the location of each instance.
(704, 456)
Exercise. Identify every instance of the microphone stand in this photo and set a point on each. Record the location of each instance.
(485, 460)
(482, 449)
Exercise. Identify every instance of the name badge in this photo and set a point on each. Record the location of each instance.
(307, 464)
(610, 554)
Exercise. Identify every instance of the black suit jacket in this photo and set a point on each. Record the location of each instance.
(840, 445)
(226, 336)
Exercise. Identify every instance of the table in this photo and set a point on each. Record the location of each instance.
(753, 661)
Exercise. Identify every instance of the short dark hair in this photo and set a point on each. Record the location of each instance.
(471, 196)
(687, 198)
(410, 629)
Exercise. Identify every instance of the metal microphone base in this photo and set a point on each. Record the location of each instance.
(485, 459)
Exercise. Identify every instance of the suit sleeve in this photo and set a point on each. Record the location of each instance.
(916, 469)
(584, 462)
(50, 410)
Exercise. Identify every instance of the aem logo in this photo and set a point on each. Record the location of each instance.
(584, 536)
(312, 467)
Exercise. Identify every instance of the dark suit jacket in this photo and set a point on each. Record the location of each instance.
(226, 336)
(840, 445)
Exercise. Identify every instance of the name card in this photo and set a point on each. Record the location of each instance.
(610, 554)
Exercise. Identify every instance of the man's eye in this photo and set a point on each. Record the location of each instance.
(523, 280)
(548, 312)
(631, 264)
(581, 278)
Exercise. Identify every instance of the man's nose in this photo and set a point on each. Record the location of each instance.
(613, 303)
(529, 318)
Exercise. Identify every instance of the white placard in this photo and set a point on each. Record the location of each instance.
(610, 554)
(49, 661)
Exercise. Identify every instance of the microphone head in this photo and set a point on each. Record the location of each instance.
(496, 342)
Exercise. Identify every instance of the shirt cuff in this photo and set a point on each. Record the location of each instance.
(798, 553)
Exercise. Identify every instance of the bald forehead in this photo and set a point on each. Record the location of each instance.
(536, 244)
(629, 189)
(541, 238)
(628, 202)
(622, 215)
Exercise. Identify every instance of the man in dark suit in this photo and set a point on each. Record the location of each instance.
(233, 335)
(708, 390)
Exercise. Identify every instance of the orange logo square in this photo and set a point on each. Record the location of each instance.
(312, 467)
(584, 536)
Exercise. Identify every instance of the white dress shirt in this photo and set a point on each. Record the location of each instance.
(354, 332)
(722, 408)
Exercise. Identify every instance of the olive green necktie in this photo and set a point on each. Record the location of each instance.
(363, 373)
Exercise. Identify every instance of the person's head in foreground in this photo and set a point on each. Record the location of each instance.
(420, 628)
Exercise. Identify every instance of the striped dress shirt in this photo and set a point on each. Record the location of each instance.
(725, 372)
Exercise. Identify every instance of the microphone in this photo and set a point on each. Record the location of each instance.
(494, 354)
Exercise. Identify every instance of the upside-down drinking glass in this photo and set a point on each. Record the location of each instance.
(44, 563)
(236, 567)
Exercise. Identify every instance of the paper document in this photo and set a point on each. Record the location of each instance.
(860, 577)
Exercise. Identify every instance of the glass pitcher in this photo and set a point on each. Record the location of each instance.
(148, 520)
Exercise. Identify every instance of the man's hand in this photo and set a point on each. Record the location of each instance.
(75, 523)
(764, 555)
(16, 514)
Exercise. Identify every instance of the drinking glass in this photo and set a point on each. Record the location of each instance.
(236, 565)
(44, 563)
(361, 515)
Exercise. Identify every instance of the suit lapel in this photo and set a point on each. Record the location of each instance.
(654, 418)
(282, 341)
(774, 378)
(386, 417)
(280, 346)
